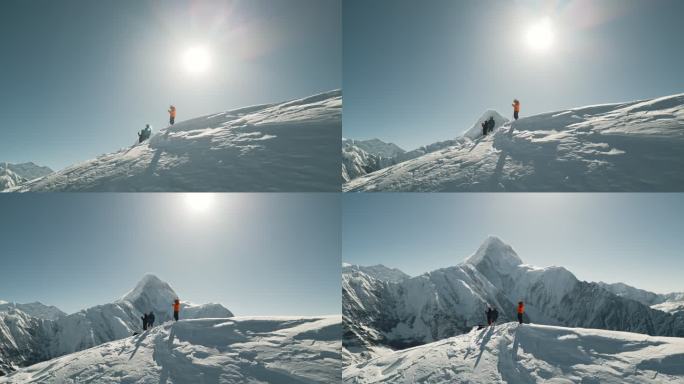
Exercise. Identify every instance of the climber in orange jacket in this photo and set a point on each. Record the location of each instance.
(521, 310)
(516, 108)
(176, 309)
(172, 115)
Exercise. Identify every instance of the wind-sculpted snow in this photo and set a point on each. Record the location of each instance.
(237, 350)
(450, 301)
(632, 146)
(292, 146)
(514, 354)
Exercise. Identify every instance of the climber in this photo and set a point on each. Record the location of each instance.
(172, 115)
(521, 311)
(144, 319)
(488, 312)
(145, 133)
(516, 108)
(150, 319)
(490, 124)
(176, 309)
(495, 315)
(484, 128)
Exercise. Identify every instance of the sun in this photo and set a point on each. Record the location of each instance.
(199, 202)
(540, 35)
(197, 60)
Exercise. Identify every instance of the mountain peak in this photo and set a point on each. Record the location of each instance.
(150, 286)
(496, 252)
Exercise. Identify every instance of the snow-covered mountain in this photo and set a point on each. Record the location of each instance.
(668, 302)
(450, 301)
(9, 179)
(26, 339)
(27, 171)
(291, 146)
(634, 146)
(36, 309)
(376, 147)
(530, 353)
(237, 350)
(379, 272)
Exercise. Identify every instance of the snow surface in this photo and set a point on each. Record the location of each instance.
(237, 350)
(633, 146)
(9, 179)
(514, 354)
(291, 146)
(28, 171)
(379, 272)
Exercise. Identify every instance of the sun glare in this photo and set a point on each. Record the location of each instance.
(540, 35)
(199, 202)
(196, 60)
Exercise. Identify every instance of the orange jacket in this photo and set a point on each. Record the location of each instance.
(176, 306)
(172, 111)
(521, 308)
(516, 106)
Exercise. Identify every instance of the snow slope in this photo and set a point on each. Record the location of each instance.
(291, 146)
(531, 353)
(634, 146)
(450, 301)
(237, 350)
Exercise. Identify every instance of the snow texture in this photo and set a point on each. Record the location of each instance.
(531, 353)
(237, 350)
(291, 146)
(634, 146)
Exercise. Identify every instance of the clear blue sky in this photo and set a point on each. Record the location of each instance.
(79, 78)
(416, 72)
(257, 254)
(631, 238)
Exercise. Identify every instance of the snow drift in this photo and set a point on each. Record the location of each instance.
(634, 146)
(291, 146)
(531, 353)
(236, 350)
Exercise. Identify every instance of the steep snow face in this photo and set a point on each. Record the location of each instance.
(632, 146)
(9, 179)
(292, 146)
(28, 171)
(510, 353)
(237, 350)
(37, 310)
(21, 337)
(450, 301)
(357, 162)
(96, 325)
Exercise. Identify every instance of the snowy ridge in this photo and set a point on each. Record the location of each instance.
(450, 301)
(633, 146)
(291, 146)
(9, 179)
(530, 354)
(236, 350)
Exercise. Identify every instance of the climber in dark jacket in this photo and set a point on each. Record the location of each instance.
(150, 320)
(144, 319)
